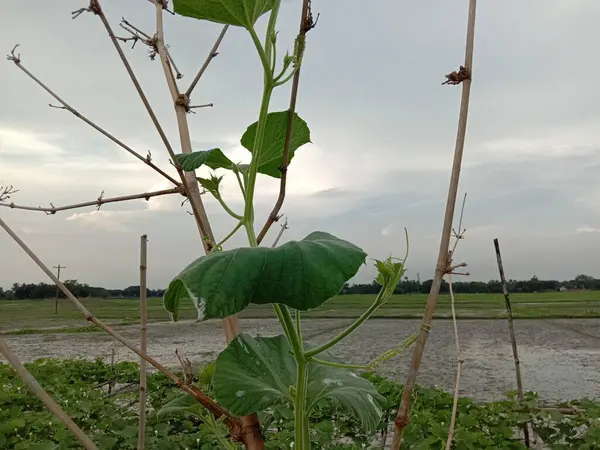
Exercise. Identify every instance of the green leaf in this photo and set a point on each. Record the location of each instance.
(274, 141)
(173, 296)
(214, 158)
(252, 374)
(210, 184)
(184, 405)
(300, 274)
(243, 13)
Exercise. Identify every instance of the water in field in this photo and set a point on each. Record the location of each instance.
(560, 359)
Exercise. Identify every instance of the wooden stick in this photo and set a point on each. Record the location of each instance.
(39, 391)
(511, 329)
(143, 340)
(442, 261)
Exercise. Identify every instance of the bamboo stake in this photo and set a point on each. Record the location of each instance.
(442, 260)
(513, 340)
(39, 391)
(143, 340)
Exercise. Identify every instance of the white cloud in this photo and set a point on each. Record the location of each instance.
(25, 142)
(587, 229)
(386, 231)
(112, 221)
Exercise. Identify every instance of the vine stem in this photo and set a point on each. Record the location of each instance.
(39, 391)
(458, 367)
(379, 300)
(403, 411)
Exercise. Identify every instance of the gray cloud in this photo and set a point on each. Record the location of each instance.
(383, 130)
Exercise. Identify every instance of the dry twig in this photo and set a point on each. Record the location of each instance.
(98, 202)
(6, 192)
(443, 256)
(214, 408)
(146, 160)
(211, 55)
(39, 391)
(306, 24)
(284, 227)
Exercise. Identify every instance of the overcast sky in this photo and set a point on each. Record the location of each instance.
(382, 126)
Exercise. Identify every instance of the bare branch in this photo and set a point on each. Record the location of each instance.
(178, 74)
(189, 180)
(39, 391)
(284, 227)
(306, 24)
(401, 420)
(206, 105)
(211, 55)
(6, 192)
(17, 60)
(98, 202)
(214, 408)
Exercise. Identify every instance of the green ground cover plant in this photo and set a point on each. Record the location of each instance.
(112, 420)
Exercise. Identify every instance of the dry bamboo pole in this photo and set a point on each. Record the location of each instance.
(462, 76)
(143, 339)
(513, 340)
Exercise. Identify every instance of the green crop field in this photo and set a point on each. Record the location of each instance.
(38, 315)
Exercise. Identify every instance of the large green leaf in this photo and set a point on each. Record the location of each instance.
(274, 141)
(214, 158)
(300, 274)
(243, 13)
(252, 374)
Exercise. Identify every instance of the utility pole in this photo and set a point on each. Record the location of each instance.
(57, 276)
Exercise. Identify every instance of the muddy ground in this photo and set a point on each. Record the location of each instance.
(560, 359)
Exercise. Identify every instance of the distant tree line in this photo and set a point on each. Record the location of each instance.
(406, 286)
(20, 291)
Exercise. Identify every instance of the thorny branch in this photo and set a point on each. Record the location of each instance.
(97, 203)
(306, 24)
(16, 58)
(214, 408)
